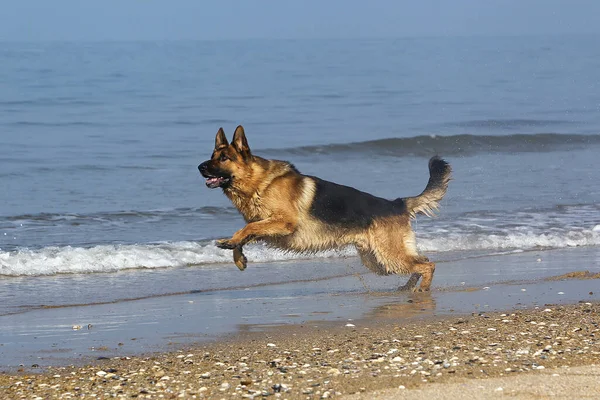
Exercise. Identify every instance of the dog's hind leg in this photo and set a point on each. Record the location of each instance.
(426, 269)
(411, 283)
(394, 247)
(370, 261)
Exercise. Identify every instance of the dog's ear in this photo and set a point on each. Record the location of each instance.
(240, 143)
(221, 139)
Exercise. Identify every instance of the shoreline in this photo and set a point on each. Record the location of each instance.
(61, 335)
(363, 358)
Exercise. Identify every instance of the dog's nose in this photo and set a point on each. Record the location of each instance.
(202, 167)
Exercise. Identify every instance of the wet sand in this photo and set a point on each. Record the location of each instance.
(331, 337)
(361, 358)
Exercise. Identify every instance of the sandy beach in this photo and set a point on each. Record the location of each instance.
(524, 353)
(532, 332)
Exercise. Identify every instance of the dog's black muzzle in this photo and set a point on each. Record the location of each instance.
(212, 180)
(203, 168)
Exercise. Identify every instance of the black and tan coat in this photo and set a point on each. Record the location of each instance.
(302, 213)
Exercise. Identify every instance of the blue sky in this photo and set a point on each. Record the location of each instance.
(82, 20)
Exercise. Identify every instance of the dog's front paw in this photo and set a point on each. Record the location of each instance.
(226, 244)
(239, 258)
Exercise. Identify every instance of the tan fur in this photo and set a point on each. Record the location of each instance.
(275, 200)
(428, 201)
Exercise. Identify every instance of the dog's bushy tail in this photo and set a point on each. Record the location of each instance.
(428, 202)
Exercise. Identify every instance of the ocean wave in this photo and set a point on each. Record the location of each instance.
(111, 258)
(450, 145)
(117, 215)
(518, 240)
(507, 124)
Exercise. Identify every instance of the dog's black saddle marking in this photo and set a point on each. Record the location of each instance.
(344, 205)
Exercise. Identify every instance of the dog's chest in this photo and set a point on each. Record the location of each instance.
(251, 207)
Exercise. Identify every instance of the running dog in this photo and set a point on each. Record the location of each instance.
(302, 213)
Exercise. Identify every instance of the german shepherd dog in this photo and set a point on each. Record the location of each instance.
(302, 213)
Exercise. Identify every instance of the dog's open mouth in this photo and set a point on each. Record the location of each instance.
(216, 181)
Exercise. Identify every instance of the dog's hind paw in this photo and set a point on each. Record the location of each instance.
(411, 283)
(420, 290)
(225, 244)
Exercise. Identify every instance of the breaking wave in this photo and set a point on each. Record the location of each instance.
(451, 145)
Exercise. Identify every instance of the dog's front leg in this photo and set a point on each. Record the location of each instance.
(257, 230)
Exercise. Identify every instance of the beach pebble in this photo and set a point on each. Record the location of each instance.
(101, 373)
(271, 345)
(205, 375)
(350, 325)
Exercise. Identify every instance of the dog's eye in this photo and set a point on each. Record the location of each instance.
(223, 158)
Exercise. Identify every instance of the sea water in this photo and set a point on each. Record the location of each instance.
(100, 142)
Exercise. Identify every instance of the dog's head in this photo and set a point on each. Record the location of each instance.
(228, 161)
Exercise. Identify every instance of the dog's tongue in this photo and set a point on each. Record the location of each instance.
(214, 182)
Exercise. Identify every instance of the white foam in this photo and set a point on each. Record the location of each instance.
(522, 240)
(109, 258)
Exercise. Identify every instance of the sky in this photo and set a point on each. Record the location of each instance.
(81, 20)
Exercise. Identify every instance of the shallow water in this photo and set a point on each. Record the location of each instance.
(272, 294)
